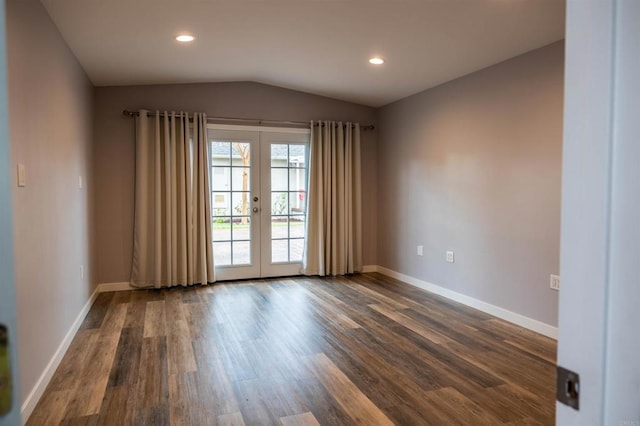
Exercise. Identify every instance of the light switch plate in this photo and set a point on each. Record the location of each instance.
(22, 175)
(554, 282)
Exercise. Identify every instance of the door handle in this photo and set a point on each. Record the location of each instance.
(6, 389)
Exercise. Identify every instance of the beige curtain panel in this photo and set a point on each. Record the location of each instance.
(333, 244)
(172, 234)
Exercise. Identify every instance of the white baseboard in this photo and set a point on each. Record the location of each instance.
(512, 317)
(38, 389)
(105, 287)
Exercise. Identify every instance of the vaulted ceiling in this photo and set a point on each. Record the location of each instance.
(316, 46)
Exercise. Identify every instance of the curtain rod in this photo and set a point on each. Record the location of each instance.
(128, 113)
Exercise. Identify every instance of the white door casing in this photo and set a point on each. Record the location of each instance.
(7, 286)
(600, 235)
(243, 230)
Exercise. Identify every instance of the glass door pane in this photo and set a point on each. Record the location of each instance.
(284, 187)
(258, 202)
(236, 236)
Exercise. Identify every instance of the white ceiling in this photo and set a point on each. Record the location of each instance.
(316, 46)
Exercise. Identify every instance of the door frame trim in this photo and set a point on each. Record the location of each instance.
(261, 137)
(258, 128)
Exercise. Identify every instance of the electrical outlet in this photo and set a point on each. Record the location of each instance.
(450, 257)
(420, 250)
(554, 282)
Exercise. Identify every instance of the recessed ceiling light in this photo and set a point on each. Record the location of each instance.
(185, 38)
(376, 61)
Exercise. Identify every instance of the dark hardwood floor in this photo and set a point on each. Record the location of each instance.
(363, 349)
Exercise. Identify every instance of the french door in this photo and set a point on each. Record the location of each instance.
(258, 200)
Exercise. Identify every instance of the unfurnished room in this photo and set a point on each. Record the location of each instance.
(319, 212)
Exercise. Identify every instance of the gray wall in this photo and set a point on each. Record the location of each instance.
(474, 166)
(114, 150)
(50, 101)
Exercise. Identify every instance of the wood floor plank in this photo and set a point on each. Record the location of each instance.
(173, 307)
(382, 336)
(180, 354)
(321, 403)
(155, 319)
(360, 349)
(411, 324)
(91, 420)
(156, 416)
(456, 366)
(236, 361)
(411, 344)
(51, 408)
(527, 421)
(189, 403)
(546, 355)
(216, 382)
(535, 377)
(114, 318)
(126, 363)
(457, 408)
(232, 419)
(330, 314)
(98, 311)
(136, 312)
(500, 400)
(70, 370)
(148, 295)
(122, 297)
(351, 399)
(387, 382)
(202, 319)
(393, 304)
(190, 295)
(118, 406)
(152, 384)
(89, 392)
(253, 404)
(304, 419)
(437, 305)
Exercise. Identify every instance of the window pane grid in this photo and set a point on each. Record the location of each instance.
(288, 205)
(231, 174)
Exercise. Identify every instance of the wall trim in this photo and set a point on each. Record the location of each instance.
(259, 128)
(497, 311)
(38, 389)
(121, 286)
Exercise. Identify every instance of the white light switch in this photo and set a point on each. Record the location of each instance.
(420, 250)
(22, 175)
